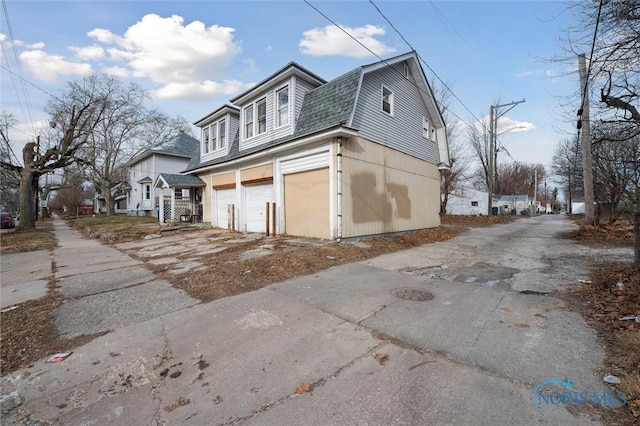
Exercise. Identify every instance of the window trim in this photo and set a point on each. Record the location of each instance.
(426, 128)
(249, 125)
(279, 107)
(390, 100)
(258, 119)
(147, 191)
(222, 133)
(407, 72)
(214, 136)
(206, 137)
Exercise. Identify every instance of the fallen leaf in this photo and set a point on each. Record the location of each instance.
(521, 325)
(539, 315)
(180, 402)
(381, 358)
(506, 310)
(303, 388)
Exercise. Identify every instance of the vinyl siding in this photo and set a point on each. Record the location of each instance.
(403, 129)
(302, 87)
(231, 123)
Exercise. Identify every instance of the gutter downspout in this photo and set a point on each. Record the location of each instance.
(339, 189)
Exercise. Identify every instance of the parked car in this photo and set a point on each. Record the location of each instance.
(6, 221)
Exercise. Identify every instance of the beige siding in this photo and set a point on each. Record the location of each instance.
(223, 179)
(205, 194)
(387, 191)
(255, 173)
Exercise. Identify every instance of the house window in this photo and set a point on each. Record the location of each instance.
(474, 204)
(406, 71)
(425, 127)
(214, 136)
(147, 192)
(282, 107)
(205, 140)
(248, 122)
(261, 106)
(387, 100)
(223, 134)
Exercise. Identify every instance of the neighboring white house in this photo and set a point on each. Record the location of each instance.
(468, 201)
(508, 203)
(577, 205)
(171, 157)
(358, 155)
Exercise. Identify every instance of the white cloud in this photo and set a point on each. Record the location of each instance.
(331, 40)
(117, 71)
(102, 35)
(166, 51)
(88, 53)
(506, 124)
(537, 73)
(48, 67)
(200, 90)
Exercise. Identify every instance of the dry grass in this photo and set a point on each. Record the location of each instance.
(118, 228)
(19, 241)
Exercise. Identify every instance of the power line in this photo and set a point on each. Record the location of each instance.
(593, 46)
(18, 66)
(426, 64)
(28, 82)
(386, 62)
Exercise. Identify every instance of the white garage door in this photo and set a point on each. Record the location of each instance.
(223, 198)
(256, 197)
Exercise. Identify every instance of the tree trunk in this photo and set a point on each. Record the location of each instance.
(28, 193)
(636, 231)
(105, 187)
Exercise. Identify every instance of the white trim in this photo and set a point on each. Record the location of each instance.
(355, 103)
(391, 100)
(276, 111)
(339, 131)
(310, 160)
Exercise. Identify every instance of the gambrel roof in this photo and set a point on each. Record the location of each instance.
(331, 105)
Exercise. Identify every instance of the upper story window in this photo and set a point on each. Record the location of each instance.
(214, 136)
(387, 100)
(147, 192)
(261, 106)
(425, 128)
(223, 134)
(205, 140)
(406, 71)
(282, 106)
(248, 122)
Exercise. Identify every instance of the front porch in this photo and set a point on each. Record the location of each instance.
(180, 198)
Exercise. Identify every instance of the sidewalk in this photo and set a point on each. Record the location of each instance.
(336, 347)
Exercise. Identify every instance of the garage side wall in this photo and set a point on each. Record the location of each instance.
(387, 191)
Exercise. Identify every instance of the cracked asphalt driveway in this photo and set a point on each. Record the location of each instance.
(338, 347)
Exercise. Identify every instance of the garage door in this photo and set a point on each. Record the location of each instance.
(306, 203)
(256, 197)
(223, 198)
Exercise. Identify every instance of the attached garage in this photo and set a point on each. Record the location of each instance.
(256, 197)
(223, 199)
(306, 203)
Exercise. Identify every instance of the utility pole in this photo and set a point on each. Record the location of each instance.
(493, 140)
(584, 126)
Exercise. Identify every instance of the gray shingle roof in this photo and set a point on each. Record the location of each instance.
(181, 180)
(324, 107)
(181, 145)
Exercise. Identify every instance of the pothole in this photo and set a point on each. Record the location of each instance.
(414, 294)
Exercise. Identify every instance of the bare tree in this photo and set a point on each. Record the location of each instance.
(9, 176)
(479, 142)
(126, 128)
(78, 114)
(453, 179)
(566, 166)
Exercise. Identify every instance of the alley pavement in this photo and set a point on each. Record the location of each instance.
(450, 333)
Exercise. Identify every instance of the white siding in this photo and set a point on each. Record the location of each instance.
(231, 124)
(402, 130)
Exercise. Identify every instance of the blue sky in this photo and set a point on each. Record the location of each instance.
(193, 56)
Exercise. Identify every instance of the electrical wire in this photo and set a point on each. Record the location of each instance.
(427, 65)
(28, 115)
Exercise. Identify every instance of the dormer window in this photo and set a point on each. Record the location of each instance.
(214, 136)
(387, 100)
(223, 134)
(262, 115)
(248, 122)
(205, 140)
(282, 106)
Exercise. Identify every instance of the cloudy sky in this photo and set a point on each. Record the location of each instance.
(193, 56)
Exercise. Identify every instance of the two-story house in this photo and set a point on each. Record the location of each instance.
(169, 158)
(358, 155)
